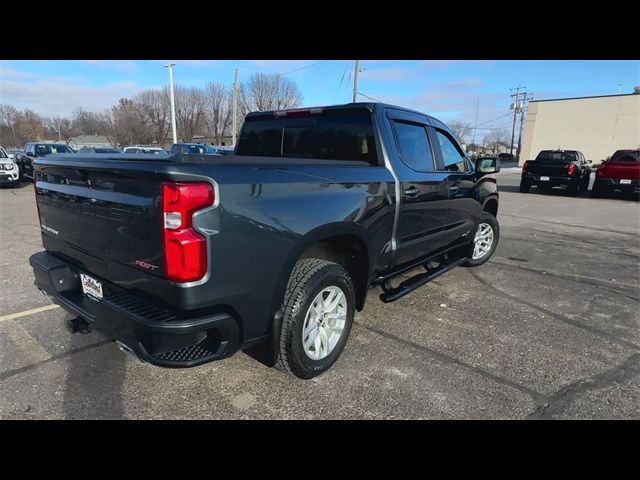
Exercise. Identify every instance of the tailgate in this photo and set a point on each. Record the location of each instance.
(108, 213)
(548, 169)
(621, 170)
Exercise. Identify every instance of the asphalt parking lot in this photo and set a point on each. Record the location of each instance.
(549, 328)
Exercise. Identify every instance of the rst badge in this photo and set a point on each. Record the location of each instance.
(145, 265)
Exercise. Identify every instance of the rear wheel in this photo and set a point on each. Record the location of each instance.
(318, 307)
(525, 186)
(584, 185)
(598, 189)
(572, 188)
(485, 240)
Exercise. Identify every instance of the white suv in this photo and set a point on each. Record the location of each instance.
(143, 149)
(9, 171)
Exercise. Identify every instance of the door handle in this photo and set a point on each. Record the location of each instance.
(453, 188)
(412, 192)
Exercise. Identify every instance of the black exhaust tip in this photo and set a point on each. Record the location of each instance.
(78, 325)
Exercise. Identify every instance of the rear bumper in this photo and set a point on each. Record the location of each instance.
(535, 179)
(614, 184)
(154, 334)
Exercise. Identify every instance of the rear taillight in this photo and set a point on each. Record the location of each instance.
(525, 166)
(571, 168)
(185, 250)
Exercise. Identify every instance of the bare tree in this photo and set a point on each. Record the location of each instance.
(155, 109)
(217, 110)
(90, 123)
(129, 126)
(459, 129)
(189, 111)
(9, 118)
(58, 128)
(494, 138)
(268, 92)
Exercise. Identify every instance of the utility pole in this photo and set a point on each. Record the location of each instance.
(355, 80)
(235, 108)
(173, 102)
(475, 125)
(525, 99)
(516, 97)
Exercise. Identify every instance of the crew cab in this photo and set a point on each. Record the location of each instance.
(619, 173)
(186, 259)
(556, 168)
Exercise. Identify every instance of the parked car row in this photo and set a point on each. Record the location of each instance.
(23, 159)
(568, 169)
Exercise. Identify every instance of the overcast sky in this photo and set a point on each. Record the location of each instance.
(447, 89)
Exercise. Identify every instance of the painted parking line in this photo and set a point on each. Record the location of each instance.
(28, 312)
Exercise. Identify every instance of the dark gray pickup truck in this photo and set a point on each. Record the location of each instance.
(186, 259)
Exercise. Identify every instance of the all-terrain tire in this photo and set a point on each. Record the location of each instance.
(309, 277)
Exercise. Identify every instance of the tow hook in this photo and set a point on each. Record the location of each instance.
(78, 324)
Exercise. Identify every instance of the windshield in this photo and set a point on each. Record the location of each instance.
(202, 150)
(50, 149)
(3, 154)
(548, 156)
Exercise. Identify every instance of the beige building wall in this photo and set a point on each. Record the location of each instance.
(596, 126)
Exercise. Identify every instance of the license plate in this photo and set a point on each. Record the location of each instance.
(544, 179)
(625, 182)
(90, 286)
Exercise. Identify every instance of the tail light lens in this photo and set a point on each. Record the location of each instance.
(571, 168)
(525, 166)
(185, 250)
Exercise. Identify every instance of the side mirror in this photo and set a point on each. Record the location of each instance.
(485, 166)
(589, 162)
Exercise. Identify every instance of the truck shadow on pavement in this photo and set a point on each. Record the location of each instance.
(95, 378)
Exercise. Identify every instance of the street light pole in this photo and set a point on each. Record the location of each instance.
(173, 102)
(235, 108)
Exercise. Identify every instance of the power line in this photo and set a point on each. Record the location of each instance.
(342, 79)
(498, 118)
(306, 66)
(370, 98)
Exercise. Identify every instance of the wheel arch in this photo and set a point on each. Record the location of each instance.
(341, 242)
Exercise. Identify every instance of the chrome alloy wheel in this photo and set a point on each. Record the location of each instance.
(324, 323)
(482, 241)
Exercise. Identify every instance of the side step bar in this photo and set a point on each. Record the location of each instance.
(392, 294)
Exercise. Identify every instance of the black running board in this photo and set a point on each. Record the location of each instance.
(409, 285)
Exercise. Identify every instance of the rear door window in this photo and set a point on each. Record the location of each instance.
(414, 146)
(452, 158)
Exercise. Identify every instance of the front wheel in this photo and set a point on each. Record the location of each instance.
(485, 240)
(318, 307)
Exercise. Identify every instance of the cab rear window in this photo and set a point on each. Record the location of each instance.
(332, 135)
(548, 156)
(626, 156)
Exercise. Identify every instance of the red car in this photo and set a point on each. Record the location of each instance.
(620, 172)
